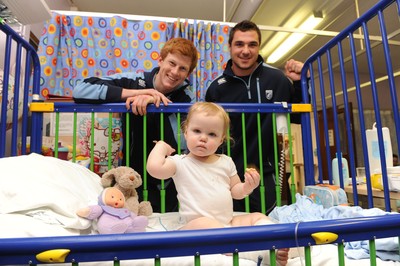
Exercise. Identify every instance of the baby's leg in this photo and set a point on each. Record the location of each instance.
(256, 218)
(282, 256)
(202, 223)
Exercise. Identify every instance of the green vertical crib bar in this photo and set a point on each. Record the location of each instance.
(116, 262)
(372, 252)
(157, 261)
(341, 254)
(57, 134)
(272, 257)
(292, 180)
(92, 143)
(260, 152)
(145, 191)
(235, 257)
(307, 255)
(179, 131)
(127, 142)
(75, 126)
(74, 263)
(162, 191)
(277, 180)
(109, 152)
(178, 121)
(197, 261)
(247, 201)
(228, 142)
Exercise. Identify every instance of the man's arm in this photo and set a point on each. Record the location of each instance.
(293, 69)
(108, 89)
(97, 90)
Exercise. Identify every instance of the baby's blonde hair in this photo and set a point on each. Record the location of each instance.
(208, 108)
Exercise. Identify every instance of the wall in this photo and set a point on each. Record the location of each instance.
(53, 5)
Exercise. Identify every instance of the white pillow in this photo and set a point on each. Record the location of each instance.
(47, 188)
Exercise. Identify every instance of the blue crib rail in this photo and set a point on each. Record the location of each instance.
(30, 66)
(315, 67)
(196, 242)
(230, 240)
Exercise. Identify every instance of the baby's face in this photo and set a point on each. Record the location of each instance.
(204, 134)
(114, 198)
(174, 69)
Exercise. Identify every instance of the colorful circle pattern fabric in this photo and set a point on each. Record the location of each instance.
(73, 48)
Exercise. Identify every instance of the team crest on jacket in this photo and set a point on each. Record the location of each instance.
(269, 94)
(142, 83)
(221, 81)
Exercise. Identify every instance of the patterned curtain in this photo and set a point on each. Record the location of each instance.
(211, 40)
(74, 47)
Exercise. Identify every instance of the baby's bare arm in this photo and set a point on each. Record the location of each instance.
(158, 165)
(241, 190)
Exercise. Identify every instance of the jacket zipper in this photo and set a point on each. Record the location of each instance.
(258, 90)
(248, 85)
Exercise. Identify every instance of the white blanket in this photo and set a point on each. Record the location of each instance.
(48, 189)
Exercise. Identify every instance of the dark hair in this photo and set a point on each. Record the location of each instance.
(245, 25)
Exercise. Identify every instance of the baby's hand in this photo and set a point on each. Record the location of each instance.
(166, 147)
(251, 180)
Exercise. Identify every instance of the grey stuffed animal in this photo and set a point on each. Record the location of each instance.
(127, 180)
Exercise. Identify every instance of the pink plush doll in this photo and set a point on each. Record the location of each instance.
(112, 217)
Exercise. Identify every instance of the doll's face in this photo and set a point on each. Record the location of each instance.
(114, 198)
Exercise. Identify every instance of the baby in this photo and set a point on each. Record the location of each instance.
(205, 181)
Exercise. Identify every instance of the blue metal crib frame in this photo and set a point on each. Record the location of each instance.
(30, 63)
(197, 243)
(315, 65)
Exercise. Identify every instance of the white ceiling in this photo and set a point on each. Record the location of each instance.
(270, 13)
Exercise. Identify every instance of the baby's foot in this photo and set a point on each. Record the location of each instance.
(282, 256)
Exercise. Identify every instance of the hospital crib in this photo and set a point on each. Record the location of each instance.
(344, 89)
(117, 248)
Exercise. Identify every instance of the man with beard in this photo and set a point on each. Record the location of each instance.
(247, 79)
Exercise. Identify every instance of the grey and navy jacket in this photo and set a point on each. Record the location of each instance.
(265, 84)
(108, 90)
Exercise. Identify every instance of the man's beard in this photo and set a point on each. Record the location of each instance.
(242, 67)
